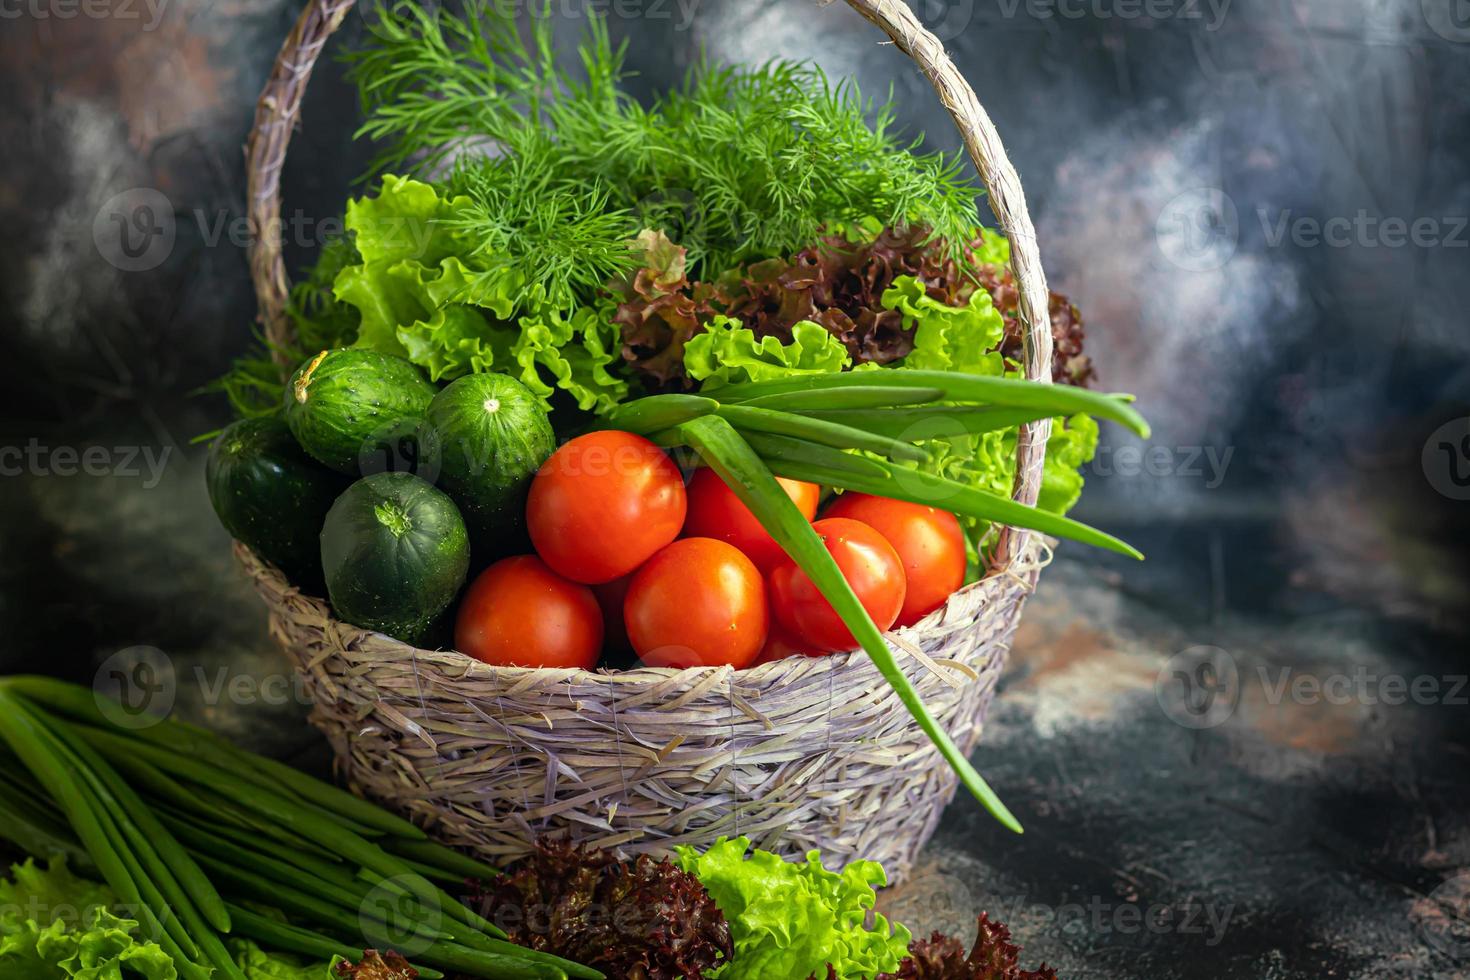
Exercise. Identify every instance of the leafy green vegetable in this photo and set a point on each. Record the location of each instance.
(948, 338)
(728, 352)
(736, 164)
(793, 919)
(428, 289)
(56, 925)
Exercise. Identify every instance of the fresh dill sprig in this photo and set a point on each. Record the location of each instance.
(735, 164)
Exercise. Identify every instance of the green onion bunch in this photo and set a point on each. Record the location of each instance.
(203, 840)
(855, 431)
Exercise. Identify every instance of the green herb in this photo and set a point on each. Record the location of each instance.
(735, 164)
(429, 289)
(197, 818)
(795, 919)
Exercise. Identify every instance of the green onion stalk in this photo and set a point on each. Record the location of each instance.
(206, 841)
(857, 431)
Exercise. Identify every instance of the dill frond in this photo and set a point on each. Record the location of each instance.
(735, 164)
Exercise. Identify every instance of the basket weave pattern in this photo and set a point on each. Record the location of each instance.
(799, 754)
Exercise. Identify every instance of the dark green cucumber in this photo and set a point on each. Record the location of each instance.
(345, 406)
(272, 496)
(395, 554)
(493, 436)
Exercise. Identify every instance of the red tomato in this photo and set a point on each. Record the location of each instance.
(697, 603)
(780, 645)
(603, 504)
(519, 613)
(929, 542)
(869, 564)
(715, 512)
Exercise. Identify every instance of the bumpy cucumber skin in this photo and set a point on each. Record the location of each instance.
(339, 402)
(493, 437)
(272, 496)
(394, 579)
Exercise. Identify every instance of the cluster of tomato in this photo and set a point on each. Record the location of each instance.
(629, 558)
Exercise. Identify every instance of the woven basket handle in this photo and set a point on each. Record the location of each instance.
(279, 108)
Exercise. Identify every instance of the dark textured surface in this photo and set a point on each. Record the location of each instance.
(1177, 156)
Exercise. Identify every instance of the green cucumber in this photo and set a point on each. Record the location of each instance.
(395, 554)
(348, 407)
(493, 436)
(272, 496)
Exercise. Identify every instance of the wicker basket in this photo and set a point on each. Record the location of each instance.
(799, 754)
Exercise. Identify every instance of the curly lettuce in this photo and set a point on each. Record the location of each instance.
(55, 925)
(426, 292)
(793, 919)
(729, 353)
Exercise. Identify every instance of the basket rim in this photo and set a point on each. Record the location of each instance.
(904, 641)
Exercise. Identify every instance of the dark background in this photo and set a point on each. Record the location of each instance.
(1260, 207)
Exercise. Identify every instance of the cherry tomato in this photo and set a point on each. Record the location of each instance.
(780, 645)
(929, 542)
(603, 504)
(869, 564)
(519, 613)
(697, 603)
(715, 512)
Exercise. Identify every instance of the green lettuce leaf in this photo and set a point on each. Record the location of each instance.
(728, 353)
(56, 926)
(993, 248)
(948, 338)
(426, 292)
(792, 919)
